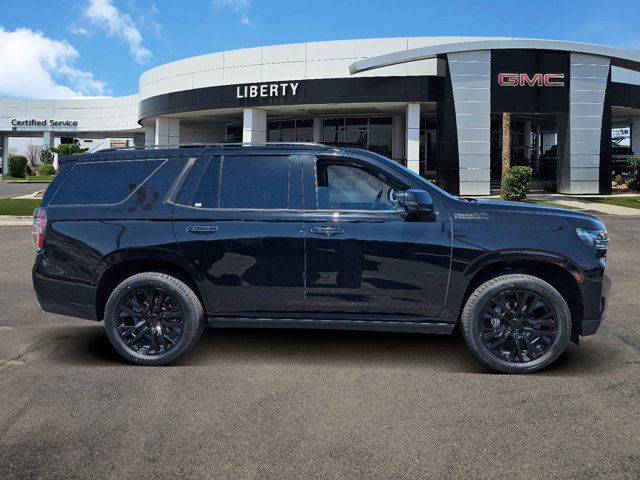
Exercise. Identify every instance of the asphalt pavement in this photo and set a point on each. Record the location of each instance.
(259, 404)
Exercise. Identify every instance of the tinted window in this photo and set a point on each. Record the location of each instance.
(349, 185)
(201, 187)
(109, 182)
(255, 182)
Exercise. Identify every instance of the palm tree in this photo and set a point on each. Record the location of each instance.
(506, 148)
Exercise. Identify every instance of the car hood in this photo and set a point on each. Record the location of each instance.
(578, 219)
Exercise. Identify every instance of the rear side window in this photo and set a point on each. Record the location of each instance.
(100, 183)
(255, 182)
(202, 185)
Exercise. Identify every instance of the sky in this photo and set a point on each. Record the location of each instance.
(67, 49)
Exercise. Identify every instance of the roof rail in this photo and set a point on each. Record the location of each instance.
(212, 145)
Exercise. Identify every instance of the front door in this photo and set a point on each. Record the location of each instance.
(238, 222)
(363, 257)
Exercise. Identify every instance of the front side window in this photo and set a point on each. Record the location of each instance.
(343, 184)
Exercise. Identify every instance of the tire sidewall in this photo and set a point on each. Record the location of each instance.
(179, 292)
(472, 319)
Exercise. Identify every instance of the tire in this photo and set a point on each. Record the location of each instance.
(498, 312)
(153, 318)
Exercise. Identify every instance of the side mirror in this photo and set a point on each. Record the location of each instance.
(416, 202)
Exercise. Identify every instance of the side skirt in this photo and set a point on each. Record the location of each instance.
(414, 326)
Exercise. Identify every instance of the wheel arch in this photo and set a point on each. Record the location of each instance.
(556, 270)
(123, 265)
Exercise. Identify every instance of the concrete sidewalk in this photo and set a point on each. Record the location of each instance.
(11, 220)
(583, 203)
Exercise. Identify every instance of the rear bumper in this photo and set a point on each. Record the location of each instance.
(57, 292)
(87, 312)
(590, 325)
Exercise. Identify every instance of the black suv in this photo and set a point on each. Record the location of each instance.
(159, 243)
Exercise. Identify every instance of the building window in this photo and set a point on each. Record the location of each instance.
(371, 133)
(290, 131)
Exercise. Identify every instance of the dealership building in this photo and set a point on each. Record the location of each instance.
(434, 104)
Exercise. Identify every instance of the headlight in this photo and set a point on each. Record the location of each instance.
(596, 238)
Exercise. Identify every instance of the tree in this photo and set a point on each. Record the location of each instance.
(33, 154)
(634, 166)
(46, 155)
(506, 150)
(69, 149)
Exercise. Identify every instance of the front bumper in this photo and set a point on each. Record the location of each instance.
(589, 326)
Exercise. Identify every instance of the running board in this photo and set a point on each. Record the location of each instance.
(332, 324)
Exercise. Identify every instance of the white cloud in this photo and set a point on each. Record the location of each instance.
(35, 66)
(103, 14)
(235, 5)
(238, 6)
(78, 30)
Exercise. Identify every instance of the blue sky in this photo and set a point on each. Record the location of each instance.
(65, 48)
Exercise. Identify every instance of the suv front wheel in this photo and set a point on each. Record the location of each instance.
(516, 323)
(153, 318)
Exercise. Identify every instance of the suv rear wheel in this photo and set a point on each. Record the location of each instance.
(153, 318)
(516, 323)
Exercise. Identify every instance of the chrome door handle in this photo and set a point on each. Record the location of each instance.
(328, 231)
(202, 229)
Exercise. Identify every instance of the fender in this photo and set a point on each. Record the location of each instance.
(461, 279)
(153, 255)
(496, 256)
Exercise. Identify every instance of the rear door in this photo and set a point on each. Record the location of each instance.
(238, 221)
(363, 258)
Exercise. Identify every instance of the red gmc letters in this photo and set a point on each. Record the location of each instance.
(536, 80)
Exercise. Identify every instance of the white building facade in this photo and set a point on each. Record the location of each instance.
(432, 103)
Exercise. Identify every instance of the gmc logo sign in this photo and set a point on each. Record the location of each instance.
(537, 80)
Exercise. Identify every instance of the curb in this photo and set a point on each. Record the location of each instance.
(11, 220)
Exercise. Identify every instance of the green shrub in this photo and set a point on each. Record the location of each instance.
(632, 184)
(29, 170)
(18, 166)
(634, 164)
(617, 179)
(46, 169)
(517, 183)
(550, 187)
(69, 149)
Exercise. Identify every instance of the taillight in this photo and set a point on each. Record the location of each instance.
(39, 227)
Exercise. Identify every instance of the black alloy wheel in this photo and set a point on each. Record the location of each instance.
(152, 318)
(518, 325)
(150, 321)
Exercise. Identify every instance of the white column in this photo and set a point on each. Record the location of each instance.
(317, 129)
(635, 134)
(5, 155)
(167, 131)
(254, 125)
(397, 138)
(579, 170)
(149, 135)
(48, 142)
(412, 135)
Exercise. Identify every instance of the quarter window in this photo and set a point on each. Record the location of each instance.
(349, 185)
(103, 183)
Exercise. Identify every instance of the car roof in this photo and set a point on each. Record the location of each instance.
(186, 151)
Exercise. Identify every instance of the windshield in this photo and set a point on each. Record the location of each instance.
(397, 166)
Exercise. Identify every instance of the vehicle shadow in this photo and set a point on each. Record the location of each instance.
(247, 346)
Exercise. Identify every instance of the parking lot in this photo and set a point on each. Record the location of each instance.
(313, 404)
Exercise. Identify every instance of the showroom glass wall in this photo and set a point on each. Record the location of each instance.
(373, 133)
